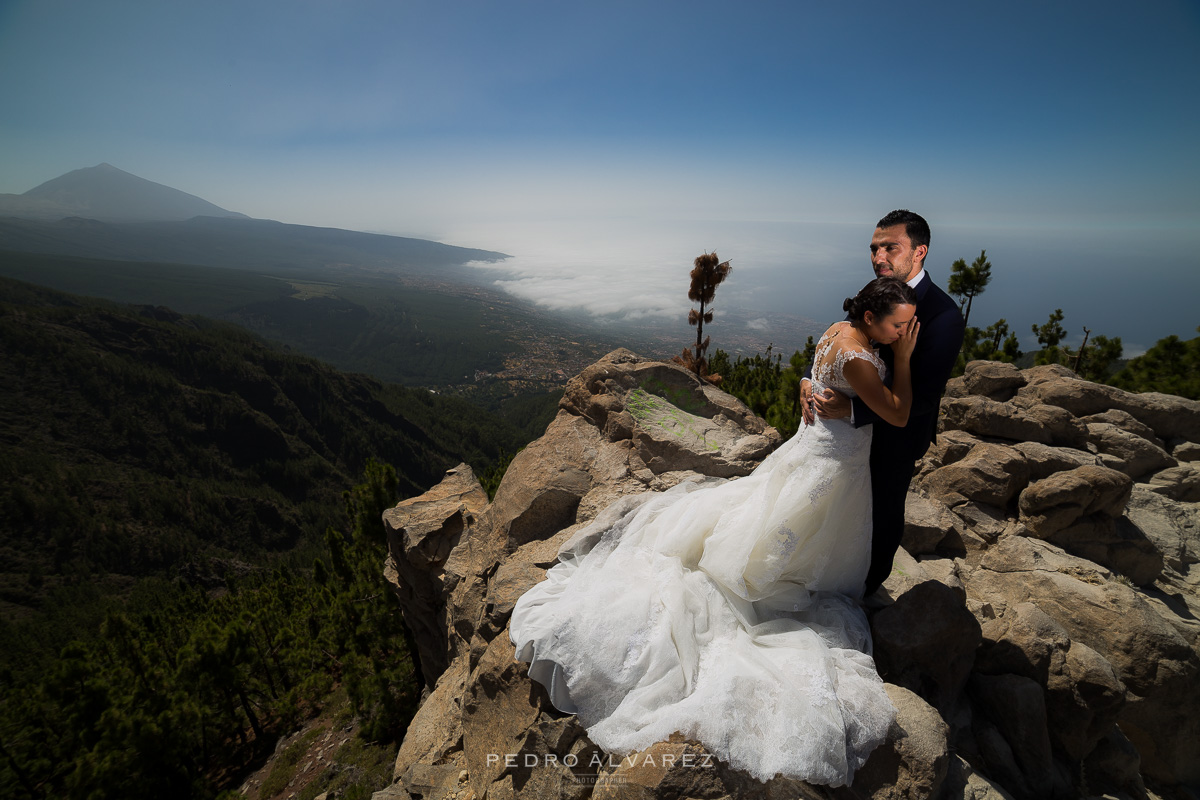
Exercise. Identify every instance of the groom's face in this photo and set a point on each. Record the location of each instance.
(893, 254)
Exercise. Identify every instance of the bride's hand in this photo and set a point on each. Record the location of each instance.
(904, 346)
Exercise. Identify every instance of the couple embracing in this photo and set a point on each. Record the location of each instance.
(733, 611)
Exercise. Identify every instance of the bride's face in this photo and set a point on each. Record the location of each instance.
(887, 329)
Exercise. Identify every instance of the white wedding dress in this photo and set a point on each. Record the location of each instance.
(726, 610)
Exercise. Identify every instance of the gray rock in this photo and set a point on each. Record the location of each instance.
(1083, 693)
(1173, 527)
(1186, 451)
(1167, 415)
(1023, 641)
(926, 523)
(990, 473)
(906, 573)
(1045, 460)
(983, 520)
(1016, 706)
(1046, 372)
(1056, 502)
(956, 387)
(437, 729)
(1178, 483)
(679, 768)
(1138, 456)
(421, 534)
(926, 642)
(679, 421)
(915, 759)
(1126, 422)
(1160, 669)
(992, 754)
(950, 446)
(393, 792)
(993, 379)
(1113, 543)
(984, 417)
(1083, 701)
(1064, 429)
(963, 782)
(1114, 767)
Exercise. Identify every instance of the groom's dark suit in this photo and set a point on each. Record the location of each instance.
(894, 451)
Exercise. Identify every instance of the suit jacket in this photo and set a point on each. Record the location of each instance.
(931, 363)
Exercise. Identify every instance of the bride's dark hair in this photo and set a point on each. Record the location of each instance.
(880, 297)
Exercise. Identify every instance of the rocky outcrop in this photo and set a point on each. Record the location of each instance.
(1039, 633)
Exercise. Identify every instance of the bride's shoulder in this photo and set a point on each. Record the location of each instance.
(836, 328)
(837, 337)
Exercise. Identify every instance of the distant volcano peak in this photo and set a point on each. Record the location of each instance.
(107, 193)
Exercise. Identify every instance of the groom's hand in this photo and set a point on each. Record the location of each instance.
(832, 404)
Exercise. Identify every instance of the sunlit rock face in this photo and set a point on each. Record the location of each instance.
(1038, 632)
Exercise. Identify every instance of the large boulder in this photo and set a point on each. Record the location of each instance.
(1083, 694)
(1178, 483)
(1113, 543)
(990, 473)
(926, 642)
(1158, 666)
(1126, 422)
(984, 417)
(1172, 526)
(421, 534)
(1045, 460)
(1169, 416)
(993, 379)
(1016, 707)
(926, 523)
(1056, 502)
(676, 421)
(914, 761)
(1135, 455)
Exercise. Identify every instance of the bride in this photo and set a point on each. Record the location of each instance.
(728, 610)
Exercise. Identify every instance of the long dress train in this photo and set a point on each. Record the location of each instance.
(726, 610)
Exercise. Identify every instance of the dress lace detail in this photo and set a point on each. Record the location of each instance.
(829, 368)
(726, 610)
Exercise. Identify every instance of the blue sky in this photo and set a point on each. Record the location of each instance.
(606, 144)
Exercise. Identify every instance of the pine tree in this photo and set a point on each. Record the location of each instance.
(994, 343)
(1049, 335)
(1172, 366)
(966, 283)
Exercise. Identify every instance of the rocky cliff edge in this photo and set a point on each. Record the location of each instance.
(1041, 631)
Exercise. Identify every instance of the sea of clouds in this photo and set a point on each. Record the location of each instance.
(1137, 284)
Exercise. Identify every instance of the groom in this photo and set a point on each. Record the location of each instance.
(898, 250)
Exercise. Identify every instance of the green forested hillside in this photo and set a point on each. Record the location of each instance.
(178, 691)
(397, 327)
(131, 441)
(183, 573)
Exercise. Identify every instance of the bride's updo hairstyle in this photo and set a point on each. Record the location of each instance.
(880, 297)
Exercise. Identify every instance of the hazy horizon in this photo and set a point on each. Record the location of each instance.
(604, 147)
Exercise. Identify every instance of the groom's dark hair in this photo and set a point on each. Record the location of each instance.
(914, 225)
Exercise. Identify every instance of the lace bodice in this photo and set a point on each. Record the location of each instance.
(834, 351)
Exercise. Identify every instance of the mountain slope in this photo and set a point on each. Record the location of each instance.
(133, 441)
(236, 243)
(104, 192)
